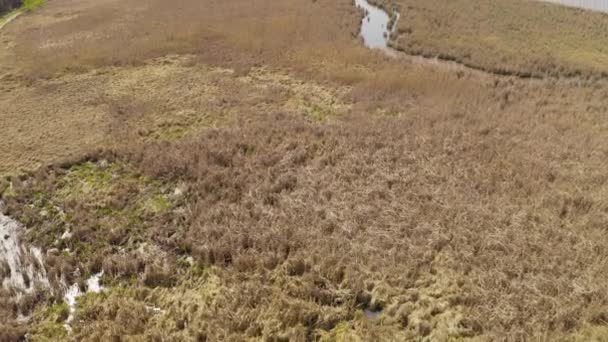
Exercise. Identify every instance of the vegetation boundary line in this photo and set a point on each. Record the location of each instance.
(454, 61)
(28, 5)
(10, 17)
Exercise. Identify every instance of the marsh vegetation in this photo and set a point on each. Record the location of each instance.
(253, 172)
(524, 38)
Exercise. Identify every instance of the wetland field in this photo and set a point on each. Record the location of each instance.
(299, 170)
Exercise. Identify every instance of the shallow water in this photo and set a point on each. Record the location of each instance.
(594, 5)
(25, 265)
(375, 28)
(72, 294)
(372, 315)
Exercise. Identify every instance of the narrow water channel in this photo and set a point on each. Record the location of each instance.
(375, 26)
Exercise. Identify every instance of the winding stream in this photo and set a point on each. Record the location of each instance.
(377, 26)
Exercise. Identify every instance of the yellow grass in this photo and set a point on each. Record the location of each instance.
(528, 38)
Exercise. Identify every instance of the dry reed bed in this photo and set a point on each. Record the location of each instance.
(461, 205)
(525, 38)
(376, 211)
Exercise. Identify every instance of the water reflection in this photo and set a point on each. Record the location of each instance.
(374, 26)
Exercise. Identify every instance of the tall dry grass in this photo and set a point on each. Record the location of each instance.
(90, 34)
(525, 38)
(457, 204)
(491, 221)
(483, 211)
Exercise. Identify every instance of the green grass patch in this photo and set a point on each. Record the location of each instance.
(182, 125)
(29, 5)
(159, 204)
(319, 113)
(48, 323)
(102, 206)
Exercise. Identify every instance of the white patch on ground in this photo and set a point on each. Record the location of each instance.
(155, 309)
(190, 260)
(25, 265)
(66, 235)
(73, 292)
